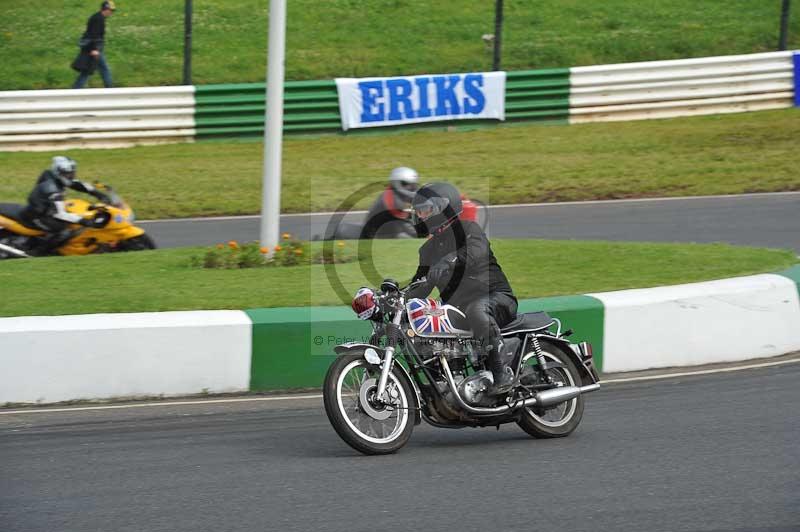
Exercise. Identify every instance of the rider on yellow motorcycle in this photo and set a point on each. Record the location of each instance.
(46, 208)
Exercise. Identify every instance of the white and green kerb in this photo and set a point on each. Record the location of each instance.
(100, 356)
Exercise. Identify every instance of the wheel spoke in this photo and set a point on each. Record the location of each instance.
(372, 431)
(561, 413)
(349, 387)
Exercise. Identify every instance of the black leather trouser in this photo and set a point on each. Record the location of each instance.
(58, 231)
(486, 316)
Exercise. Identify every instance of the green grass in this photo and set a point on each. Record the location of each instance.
(375, 37)
(163, 280)
(722, 154)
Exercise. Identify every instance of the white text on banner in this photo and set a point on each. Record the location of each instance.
(376, 102)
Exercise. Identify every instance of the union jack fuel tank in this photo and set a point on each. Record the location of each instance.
(429, 317)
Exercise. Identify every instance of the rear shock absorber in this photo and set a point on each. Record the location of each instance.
(540, 360)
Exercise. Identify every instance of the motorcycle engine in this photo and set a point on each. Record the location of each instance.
(473, 389)
(456, 354)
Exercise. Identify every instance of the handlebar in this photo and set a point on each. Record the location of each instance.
(392, 296)
(415, 284)
(388, 286)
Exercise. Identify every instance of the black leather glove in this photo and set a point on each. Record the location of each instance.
(442, 269)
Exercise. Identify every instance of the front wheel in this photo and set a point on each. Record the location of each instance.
(364, 423)
(137, 243)
(559, 420)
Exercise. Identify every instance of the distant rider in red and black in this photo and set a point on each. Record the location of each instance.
(389, 217)
(457, 259)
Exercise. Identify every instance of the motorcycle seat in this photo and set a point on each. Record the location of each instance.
(14, 211)
(11, 210)
(530, 321)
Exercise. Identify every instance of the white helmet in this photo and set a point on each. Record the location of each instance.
(64, 169)
(404, 182)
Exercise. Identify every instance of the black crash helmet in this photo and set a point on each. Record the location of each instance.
(435, 206)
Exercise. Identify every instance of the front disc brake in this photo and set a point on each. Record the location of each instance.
(369, 403)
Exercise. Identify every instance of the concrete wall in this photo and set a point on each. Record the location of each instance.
(718, 321)
(50, 359)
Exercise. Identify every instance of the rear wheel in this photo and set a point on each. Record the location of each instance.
(137, 243)
(559, 420)
(14, 242)
(365, 424)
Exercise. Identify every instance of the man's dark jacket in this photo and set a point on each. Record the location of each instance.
(474, 273)
(94, 36)
(93, 39)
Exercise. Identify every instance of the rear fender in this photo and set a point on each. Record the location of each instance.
(356, 348)
(586, 368)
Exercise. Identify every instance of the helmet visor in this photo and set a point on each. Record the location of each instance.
(429, 207)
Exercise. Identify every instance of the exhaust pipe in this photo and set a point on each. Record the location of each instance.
(14, 251)
(559, 395)
(544, 399)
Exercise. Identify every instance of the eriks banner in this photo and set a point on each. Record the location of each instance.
(375, 102)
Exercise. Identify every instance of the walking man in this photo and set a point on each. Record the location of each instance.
(92, 44)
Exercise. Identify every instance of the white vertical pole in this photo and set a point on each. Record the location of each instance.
(273, 126)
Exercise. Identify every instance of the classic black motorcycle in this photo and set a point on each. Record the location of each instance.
(423, 363)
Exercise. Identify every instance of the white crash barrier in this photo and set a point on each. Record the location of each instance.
(662, 89)
(701, 323)
(51, 359)
(42, 120)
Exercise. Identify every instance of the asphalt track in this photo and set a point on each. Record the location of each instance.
(717, 452)
(767, 220)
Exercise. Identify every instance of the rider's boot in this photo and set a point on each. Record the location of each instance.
(500, 357)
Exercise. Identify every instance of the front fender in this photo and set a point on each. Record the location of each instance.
(355, 347)
(358, 348)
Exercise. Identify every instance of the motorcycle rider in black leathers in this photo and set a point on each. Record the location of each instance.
(388, 217)
(458, 260)
(46, 209)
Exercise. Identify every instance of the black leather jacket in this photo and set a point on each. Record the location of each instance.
(48, 193)
(474, 273)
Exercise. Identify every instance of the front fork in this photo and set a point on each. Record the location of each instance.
(388, 357)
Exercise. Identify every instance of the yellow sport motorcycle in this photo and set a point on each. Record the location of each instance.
(113, 229)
